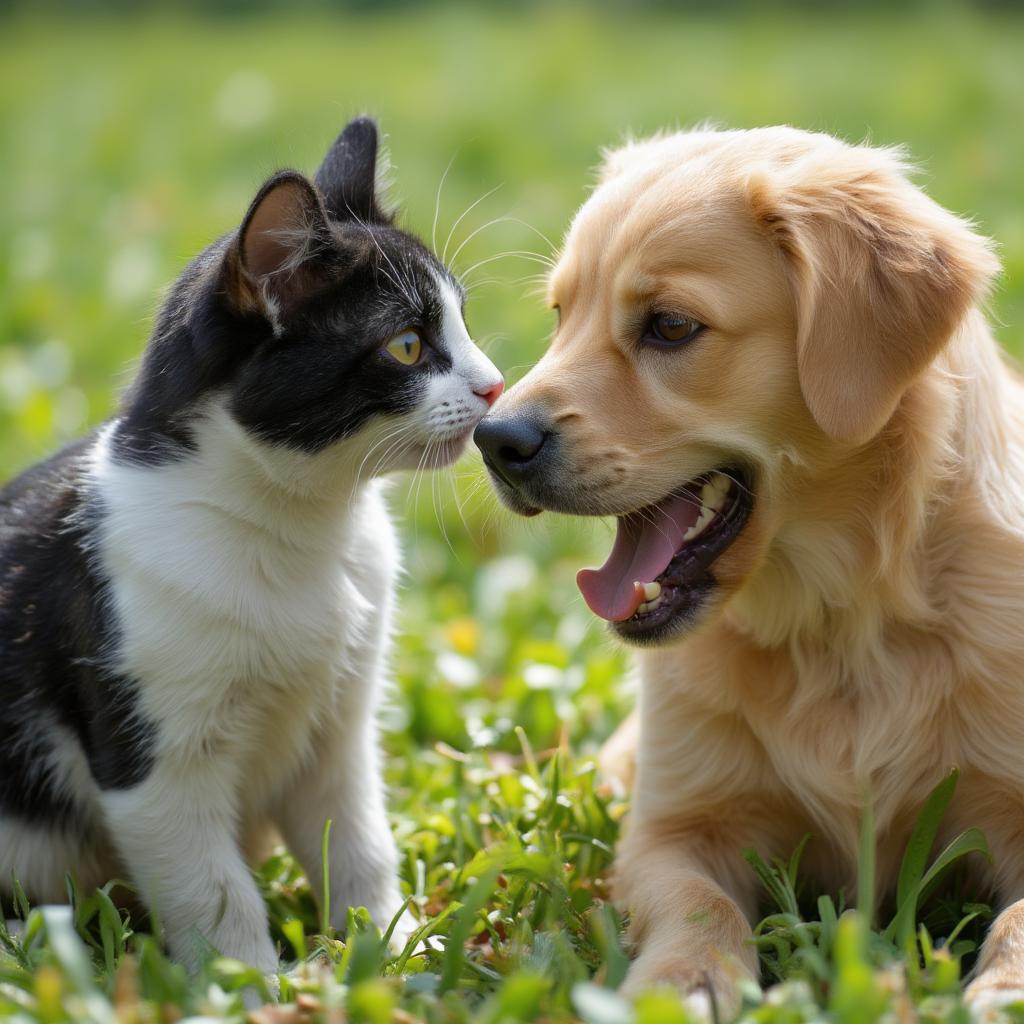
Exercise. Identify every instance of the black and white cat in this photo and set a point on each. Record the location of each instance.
(195, 600)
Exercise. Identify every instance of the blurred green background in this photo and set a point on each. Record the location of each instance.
(129, 141)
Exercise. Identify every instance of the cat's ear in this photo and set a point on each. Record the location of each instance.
(347, 178)
(282, 253)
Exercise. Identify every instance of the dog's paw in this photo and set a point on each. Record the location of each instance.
(710, 992)
(988, 998)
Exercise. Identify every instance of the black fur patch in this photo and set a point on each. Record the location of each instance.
(318, 374)
(53, 630)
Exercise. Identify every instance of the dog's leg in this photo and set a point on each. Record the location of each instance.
(690, 929)
(999, 977)
(343, 783)
(617, 758)
(704, 792)
(176, 835)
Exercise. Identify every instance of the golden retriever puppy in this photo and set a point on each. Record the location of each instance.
(772, 368)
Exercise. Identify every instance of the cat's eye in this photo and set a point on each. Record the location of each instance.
(406, 348)
(668, 330)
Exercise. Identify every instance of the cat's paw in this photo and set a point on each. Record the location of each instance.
(254, 998)
(391, 913)
(404, 927)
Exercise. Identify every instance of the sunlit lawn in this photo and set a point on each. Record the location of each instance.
(125, 146)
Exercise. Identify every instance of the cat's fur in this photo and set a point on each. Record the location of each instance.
(195, 600)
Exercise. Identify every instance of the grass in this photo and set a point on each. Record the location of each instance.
(126, 145)
(506, 858)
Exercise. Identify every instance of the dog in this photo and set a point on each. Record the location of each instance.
(772, 366)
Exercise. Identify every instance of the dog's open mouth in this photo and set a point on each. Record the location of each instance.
(659, 567)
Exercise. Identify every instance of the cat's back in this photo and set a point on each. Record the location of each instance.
(38, 501)
(52, 625)
(47, 586)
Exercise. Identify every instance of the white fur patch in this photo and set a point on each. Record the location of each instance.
(454, 402)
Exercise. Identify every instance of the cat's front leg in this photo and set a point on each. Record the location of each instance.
(176, 835)
(343, 783)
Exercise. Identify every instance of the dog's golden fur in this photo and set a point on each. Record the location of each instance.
(867, 631)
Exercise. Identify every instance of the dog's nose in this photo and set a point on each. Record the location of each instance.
(510, 445)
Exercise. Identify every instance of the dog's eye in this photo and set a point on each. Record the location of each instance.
(406, 348)
(670, 329)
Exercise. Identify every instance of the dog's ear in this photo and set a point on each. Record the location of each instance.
(283, 250)
(348, 176)
(881, 276)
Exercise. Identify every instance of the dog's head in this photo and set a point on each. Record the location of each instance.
(728, 302)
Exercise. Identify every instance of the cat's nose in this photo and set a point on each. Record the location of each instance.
(511, 445)
(490, 394)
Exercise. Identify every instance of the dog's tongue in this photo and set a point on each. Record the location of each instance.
(644, 545)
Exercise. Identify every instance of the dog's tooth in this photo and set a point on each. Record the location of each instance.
(721, 483)
(711, 497)
(643, 608)
(652, 590)
(705, 517)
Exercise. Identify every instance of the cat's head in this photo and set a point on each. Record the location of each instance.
(317, 322)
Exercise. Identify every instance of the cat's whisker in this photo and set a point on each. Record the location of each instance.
(523, 254)
(538, 285)
(395, 432)
(403, 289)
(410, 278)
(514, 369)
(479, 490)
(459, 504)
(417, 485)
(381, 465)
(435, 500)
(540, 234)
(471, 286)
(489, 340)
(396, 450)
(469, 209)
(504, 219)
(437, 200)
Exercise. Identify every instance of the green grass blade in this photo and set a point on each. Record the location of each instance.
(462, 929)
(774, 881)
(915, 860)
(866, 865)
(829, 920)
(970, 841)
(926, 828)
(325, 867)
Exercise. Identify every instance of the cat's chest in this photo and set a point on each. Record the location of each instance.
(242, 632)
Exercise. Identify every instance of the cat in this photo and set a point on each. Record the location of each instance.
(195, 600)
